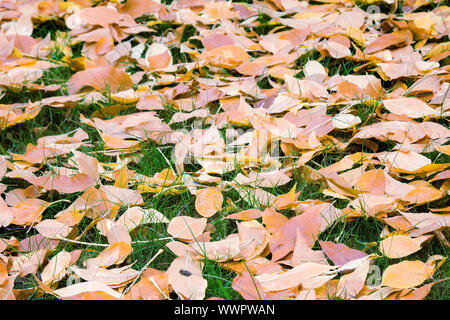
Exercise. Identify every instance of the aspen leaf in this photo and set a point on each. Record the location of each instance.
(185, 276)
(406, 274)
(87, 287)
(186, 228)
(136, 216)
(398, 246)
(411, 107)
(52, 229)
(55, 270)
(208, 202)
(244, 134)
(100, 78)
(114, 254)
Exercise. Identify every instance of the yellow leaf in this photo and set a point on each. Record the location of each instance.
(356, 35)
(208, 202)
(406, 274)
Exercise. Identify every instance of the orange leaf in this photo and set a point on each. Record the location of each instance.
(186, 228)
(208, 202)
(101, 78)
(399, 246)
(185, 276)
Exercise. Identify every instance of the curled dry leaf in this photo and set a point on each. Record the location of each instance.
(86, 164)
(282, 241)
(418, 293)
(122, 196)
(181, 249)
(351, 284)
(26, 264)
(387, 40)
(3, 272)
(227, 56)
(273, 220)
(256, 195)
(286, 201)
(310, 275)
(249, 214)
(303, 253)
(248, 287)
(411, 107)
(28, 211)
(118, 233)
(61, 183)
(345, 121)
(6, 289)
(158, 57)
(339, 253)
(37, 242)
(101, 78)
(113, 278)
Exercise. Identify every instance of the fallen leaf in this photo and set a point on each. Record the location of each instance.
(410, 106)
(399, 246)
(186, 228)
(136, 216)
(101, 78)
(310, 275)
(53, 229)
(253, 238)
(339, 253)
(222, 250)
(113, 278)
(185, 276)
(55, 270)
(248, 287)
(208, 202)
(114, 254)
(406, 274)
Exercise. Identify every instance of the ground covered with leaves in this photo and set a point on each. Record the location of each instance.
(196, 149)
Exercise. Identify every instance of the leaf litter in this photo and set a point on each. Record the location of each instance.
(280, 120)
